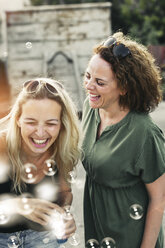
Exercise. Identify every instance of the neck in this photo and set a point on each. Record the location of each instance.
(34, 158)
(113, 114)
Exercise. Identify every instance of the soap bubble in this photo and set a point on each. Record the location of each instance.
(29, 173)
(13, 242)
(28, 45)
(72, 175)
(92, 243)
(108, 243)
(25, 204)
(74, 239)
(67, 215)
(50, 167)
(136, 211)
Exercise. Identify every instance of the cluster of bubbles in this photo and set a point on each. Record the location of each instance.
(105, 243)
(29, 172)
(135, 212)
(57, 224)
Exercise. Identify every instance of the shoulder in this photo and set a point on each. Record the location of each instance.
(144, 128)
(144, 123)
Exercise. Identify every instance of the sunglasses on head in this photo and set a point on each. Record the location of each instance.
(119, 50)
(33, 85)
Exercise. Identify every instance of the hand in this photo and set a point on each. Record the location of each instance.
(70, 228)
(37, 210)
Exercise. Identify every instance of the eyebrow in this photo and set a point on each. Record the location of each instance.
(98, 78)
(50, 120)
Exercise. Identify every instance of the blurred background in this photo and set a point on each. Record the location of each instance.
(54, 38)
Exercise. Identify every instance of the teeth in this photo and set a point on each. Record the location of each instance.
(93, 95)
(39, 141)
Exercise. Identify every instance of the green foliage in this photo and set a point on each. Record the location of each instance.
(142, 19)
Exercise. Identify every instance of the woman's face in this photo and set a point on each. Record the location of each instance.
(40, 124)
(101, 84)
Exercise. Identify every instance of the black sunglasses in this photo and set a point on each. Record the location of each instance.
(119, 50)
(33, 85)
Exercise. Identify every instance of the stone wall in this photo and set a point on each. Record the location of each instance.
(55, 41)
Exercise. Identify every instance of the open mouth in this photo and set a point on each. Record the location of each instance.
(94, 97)
(39, 142)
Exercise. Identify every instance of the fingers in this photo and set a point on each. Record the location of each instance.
(70, 228)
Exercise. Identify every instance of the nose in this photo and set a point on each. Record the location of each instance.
(40, 131)
(90, 84)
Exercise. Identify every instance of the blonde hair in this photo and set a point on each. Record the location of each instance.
(137, 74)
(67, 148)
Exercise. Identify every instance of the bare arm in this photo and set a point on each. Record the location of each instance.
(65, 196)
(156, 192)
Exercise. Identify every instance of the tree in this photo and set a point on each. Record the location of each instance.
(142, 19)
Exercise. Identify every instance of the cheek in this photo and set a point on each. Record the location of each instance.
(54, 131)
(26, 130)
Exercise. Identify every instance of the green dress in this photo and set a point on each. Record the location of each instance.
(126, 156)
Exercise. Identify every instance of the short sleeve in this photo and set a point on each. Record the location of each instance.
(151, 162)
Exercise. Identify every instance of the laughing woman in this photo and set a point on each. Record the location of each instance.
(124, 150)
(39, 147)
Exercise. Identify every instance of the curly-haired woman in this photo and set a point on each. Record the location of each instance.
(124, 155)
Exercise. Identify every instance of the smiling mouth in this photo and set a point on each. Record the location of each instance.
(94, 97)
(39, 142)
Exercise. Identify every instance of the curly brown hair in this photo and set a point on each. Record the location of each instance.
(137, 74)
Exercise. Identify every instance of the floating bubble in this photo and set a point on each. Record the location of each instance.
(28, 45)
(136, 211)
(25, 204)
(92, 243)
(67, 215)
(13, 242)
(50, 167)
(108, 243)
(4, 217)
(29, 173)
(72, 175)
(74, 239)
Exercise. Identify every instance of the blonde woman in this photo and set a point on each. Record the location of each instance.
(39, 148)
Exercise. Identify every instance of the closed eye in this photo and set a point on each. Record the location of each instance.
(99, 83)
(51, 124)
(30, 123)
